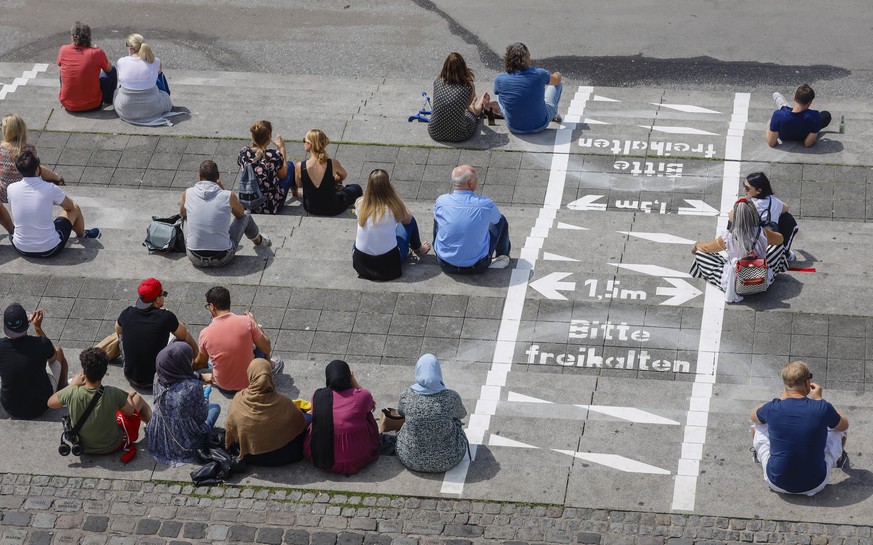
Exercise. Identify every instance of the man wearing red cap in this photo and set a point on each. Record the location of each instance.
(144, 330)
(26, 387)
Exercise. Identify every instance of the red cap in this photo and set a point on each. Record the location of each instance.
(149, 290)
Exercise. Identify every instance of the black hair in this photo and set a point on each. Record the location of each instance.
(27, 163)
(219, 297)
(81, 34)
(759, 181)
(804, 95)
(94, 363)
(209, 171)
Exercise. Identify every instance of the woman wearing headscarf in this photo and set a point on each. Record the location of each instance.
(432, 439)
(344, 437)
(267, 425)
(181, 415)
(715, 261)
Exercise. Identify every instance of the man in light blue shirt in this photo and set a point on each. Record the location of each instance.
(528, 96)
(468, 229)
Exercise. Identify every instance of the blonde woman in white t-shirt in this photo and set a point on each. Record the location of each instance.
(386, 231)
(138, 100)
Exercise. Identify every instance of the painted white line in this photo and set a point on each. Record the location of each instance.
(652, 270)
(571, 227)
(480, 420)
(500, 441)
(547, 256)
(630, 414)
(615, 461)
(663, 238)
(589, 121)
(598, 98)
(685, 485)
(679, 130)
(697, 208)
(19, 82)
(687, 108)
(521, 398)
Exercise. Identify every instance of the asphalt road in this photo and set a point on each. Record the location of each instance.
(716, 44)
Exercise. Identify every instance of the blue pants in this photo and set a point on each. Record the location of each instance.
(212, 412)
(407, 237)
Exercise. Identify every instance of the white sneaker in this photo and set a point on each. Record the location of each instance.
(780, 100)
(265, 241)
(792, 256)
(277, 365)
(500, 262)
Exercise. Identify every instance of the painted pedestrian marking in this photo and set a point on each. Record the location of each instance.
(555, 257)
(19, 82)
(589, 203)
(687, 108)
(663, 238)
(679, 292)
(659, 169)
(628, 414)
(679, 130)
(562, 225)
(661, 148)
(616, 461)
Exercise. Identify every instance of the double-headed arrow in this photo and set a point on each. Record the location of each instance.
(696, 207)
(552, 284)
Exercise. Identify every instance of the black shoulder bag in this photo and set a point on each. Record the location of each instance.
(71, 434)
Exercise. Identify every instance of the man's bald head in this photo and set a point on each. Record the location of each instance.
(464, 177)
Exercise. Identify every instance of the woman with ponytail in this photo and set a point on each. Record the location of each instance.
(275, 173)
(321, 179)
(138, 100)
(715, 261)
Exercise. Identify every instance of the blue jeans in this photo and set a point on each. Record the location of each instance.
(498, 244)
(552, 98)
(212, 412)
(407, 237)
(286, 183)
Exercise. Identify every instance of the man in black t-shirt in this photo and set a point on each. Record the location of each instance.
(144, 330)
(26, 387)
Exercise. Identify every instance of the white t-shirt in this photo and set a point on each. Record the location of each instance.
(377, 238)
(136, 74)
(734, 251)
(32, 200)
(771, 202)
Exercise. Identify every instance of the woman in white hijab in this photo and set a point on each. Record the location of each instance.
(432, 438)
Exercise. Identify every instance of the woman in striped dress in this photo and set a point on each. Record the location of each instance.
(715, 261)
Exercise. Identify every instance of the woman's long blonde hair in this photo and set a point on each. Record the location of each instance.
(318, 145)
(378, 196)
(14, 133)
(142, 49)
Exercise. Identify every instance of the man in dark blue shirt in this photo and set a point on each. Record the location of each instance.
(798, 123)
(798, 437)
(528, 96)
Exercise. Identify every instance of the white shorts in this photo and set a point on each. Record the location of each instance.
(55, 375)
(832, 453)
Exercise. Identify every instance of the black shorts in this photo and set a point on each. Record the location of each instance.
(64, 228)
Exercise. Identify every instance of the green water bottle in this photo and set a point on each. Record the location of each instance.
(842, 124)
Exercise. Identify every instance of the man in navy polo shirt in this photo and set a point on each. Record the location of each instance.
(528, 96)
(799, 437)
(468, 229)
(798, 123)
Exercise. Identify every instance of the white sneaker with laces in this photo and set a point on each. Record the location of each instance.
(277, 365)
(500, 262)
(265, 241)
(792, 256)
(780, 100)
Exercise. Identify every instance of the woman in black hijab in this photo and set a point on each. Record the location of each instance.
(344, 437)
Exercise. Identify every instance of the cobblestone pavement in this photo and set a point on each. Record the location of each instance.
(44, 510)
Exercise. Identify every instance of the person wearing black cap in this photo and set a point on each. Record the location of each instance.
(144, 330)
(26, 387)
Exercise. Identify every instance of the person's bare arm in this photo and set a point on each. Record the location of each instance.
(236, 207)
(183, 334)
(810, 139)
(280, 145)
(773, 238)
(772, 138)
(262, 342)
(54, 401)
(201, 360)
(716, 245)
(182, 211)
(118, 329)
(784, 208)
(36, 320)
(754, 416)
(844, 422)
(339, 173)
(555, 78)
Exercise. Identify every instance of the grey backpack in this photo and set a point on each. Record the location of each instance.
(165, 235)
(249, 192)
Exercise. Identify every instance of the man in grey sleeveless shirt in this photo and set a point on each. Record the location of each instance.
(212, 238)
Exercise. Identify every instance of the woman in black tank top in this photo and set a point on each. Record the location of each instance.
(330, 197)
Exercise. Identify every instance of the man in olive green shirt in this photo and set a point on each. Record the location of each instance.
(115, 420)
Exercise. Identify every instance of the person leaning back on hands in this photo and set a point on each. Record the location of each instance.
(799, 437)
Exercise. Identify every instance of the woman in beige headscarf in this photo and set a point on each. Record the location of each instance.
(267, 425)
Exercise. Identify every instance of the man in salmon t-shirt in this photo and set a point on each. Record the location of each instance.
(88, 79)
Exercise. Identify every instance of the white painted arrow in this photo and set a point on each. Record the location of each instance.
(521, 398)
(663, 238)
(571, 227)
(688, 108)
(551, 283)
(589, 121)
(698, 208)
(500, 441)
(588, 202)
(598, 98)
(651, 270)
(679, 130)
(630, 414)
(555, 257)
(681, 292)
(616, 462)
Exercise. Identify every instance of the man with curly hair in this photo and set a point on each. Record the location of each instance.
(528, 96)
(88, 79)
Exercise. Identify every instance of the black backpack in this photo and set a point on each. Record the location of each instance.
(249, 192)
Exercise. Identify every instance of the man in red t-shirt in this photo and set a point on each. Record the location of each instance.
(88, 79)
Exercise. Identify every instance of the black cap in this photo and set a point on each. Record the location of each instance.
(15, 322)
